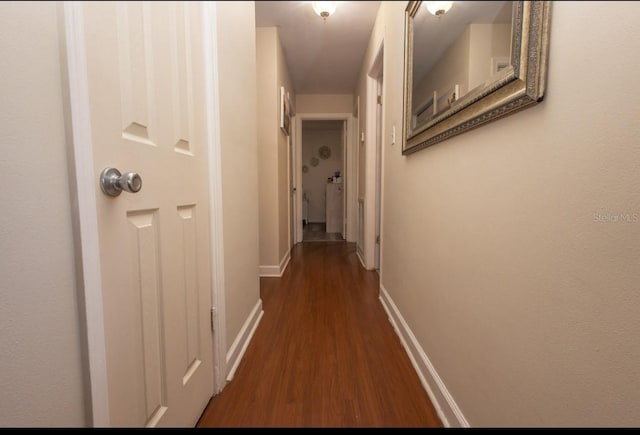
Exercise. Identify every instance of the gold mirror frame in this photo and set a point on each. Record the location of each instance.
(518, 86)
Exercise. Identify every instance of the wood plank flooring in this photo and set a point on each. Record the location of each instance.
(324, 353)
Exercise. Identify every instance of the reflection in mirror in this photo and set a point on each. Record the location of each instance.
(457, 52)
(473, 64)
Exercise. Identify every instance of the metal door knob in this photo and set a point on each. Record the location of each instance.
(112, 182)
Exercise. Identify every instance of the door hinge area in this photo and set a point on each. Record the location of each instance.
(380, 99)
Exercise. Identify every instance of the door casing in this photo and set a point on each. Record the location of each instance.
(349, 171)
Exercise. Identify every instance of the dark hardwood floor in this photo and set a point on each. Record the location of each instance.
(324, 353)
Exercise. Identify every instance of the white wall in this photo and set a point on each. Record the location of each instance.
(41, 369)
(238, 136)
(501, 248)
(315, 179)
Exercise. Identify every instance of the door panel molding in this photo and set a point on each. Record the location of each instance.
(144, 239)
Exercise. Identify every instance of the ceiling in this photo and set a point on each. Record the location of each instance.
(323, 56)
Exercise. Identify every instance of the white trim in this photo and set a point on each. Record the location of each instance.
(352, 184)
(443, 402)
(371, 156)
(87, 218)
(276, 271)
(210, 46)
(269, 271)
(361, 259)
(370, 174)
(297, 131)
(285, 262)
(291, 181)
(239, 346)
(351, 212)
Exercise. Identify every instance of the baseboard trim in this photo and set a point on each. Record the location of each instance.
(445, 406)
(360, 258)
(284, 263)
(276, 271)
(239, 346)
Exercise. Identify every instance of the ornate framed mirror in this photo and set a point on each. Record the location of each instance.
(475, 63)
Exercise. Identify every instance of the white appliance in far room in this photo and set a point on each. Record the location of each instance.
(334, 217)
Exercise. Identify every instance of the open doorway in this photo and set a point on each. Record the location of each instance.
(338, 122)
(323, 191)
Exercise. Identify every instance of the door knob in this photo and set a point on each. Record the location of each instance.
(112, 182)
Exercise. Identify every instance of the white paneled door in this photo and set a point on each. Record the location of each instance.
(145, 76)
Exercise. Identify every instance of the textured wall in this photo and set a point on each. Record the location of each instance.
(41, 372)
(238, 136)
(512, 250)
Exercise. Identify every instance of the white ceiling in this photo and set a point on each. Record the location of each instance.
(323, 56)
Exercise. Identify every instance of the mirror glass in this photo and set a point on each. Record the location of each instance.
(475, 63)
(456, 52)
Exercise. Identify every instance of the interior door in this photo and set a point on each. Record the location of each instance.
(146, 97)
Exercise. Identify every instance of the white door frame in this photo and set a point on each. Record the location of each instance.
(371, 159)
(77, 118)
(210, 46)
(293, 186)
(345, 169)
(349, 175)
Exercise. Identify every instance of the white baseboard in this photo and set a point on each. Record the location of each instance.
(360, 258)
(444, 404)
(276, 271)
(239, 346)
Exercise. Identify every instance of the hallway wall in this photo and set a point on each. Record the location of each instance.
(504, 249)
(238, 140)
(273, 148)
(41, 367)
(324, 103)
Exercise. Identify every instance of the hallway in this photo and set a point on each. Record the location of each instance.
(324, 354)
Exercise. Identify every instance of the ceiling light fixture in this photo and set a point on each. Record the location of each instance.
(439, 8)
(324, 9)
